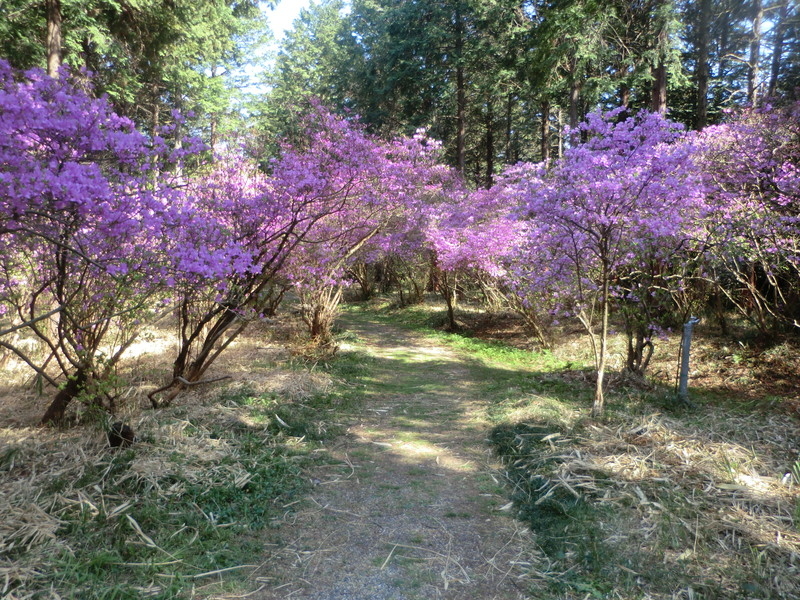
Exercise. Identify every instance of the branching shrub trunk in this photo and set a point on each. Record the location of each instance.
(368, 276)
(536, 325)
(409, 279)
(319, 310)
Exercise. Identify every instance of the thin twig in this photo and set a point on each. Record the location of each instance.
(247, 595)
(184, 382)
(188, 383)
(31, 322)
(388, 558)
(218, 571)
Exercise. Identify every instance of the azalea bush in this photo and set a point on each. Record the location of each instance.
(628, 195)
(85, 218)
(384, 191)
(229, 248)
(752, 168)
(471, 237)
(352, 174)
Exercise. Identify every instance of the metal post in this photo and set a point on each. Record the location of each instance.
(683, 387)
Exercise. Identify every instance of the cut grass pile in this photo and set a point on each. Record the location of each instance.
(650, 506)
(186, 510)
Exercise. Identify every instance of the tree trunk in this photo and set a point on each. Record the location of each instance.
(624, 96)
(599, 399)
(574, 99)
(451, 313)
(640, 351)
(212, 344)
(489, 142)
(213, 141)
(53, 41)
(509, 128)
(461, 94)
(755, 52)
(701, 70)
(155, 115)
(777, 49)
(448, 291)
(658, 102)
(214, 117)
(724, 50)
(54, 415)
(719, 311)
(461, 122)
(659, 99)
(545, 130)
(178, 136)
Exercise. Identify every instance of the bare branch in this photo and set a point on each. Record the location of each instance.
(29, 362)
(31, 322)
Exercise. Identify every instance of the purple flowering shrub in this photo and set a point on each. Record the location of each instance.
(85, 212)
(629, 194)
(101, 232)
(752, 169)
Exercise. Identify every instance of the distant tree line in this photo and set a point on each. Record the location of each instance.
(499, 80)
(496, 80)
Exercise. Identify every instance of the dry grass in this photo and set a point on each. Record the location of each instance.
(32, 460)
(55, 482)
(708, 504)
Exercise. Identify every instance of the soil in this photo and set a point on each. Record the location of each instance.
(411, 506)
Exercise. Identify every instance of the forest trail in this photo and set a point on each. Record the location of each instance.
(411, 509)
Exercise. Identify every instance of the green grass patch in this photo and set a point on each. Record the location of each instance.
(514, 382)
(430, 321)
(191, 503)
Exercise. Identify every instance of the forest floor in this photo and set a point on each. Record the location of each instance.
(654, 501)
(414, 464)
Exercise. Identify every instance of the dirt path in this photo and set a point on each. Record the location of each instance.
(412, 510)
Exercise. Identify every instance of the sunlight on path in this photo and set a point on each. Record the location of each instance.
(411, 509)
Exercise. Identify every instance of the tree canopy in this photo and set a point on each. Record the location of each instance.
(497, 81)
